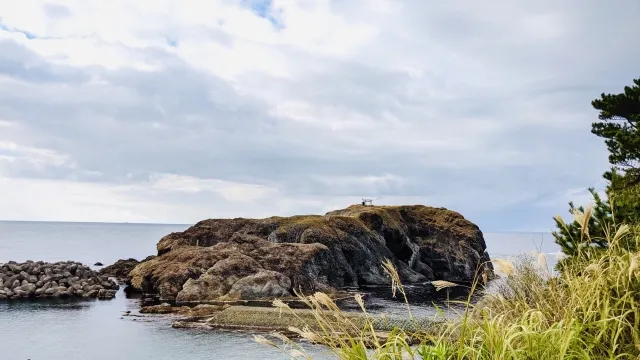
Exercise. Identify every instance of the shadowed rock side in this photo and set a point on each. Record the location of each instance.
(229, 259)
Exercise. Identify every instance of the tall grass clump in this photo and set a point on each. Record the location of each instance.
(590, 310)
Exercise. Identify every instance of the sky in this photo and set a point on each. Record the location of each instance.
(176, 111)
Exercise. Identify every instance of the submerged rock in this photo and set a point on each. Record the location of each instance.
(246, 259)
(62, 279)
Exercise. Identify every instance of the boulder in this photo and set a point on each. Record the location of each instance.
(105, 294)
(24, 276)
(11, 279)
(219, 279)
(221, 259)
(120, 269)
(30, 289)
(207, 287)
(266, 284)
(51, 290)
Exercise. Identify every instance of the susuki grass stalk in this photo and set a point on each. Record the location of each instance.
(590, 310)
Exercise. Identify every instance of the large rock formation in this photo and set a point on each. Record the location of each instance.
(225, 259)
(39, 279)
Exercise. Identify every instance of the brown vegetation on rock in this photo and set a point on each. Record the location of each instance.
(225, 259)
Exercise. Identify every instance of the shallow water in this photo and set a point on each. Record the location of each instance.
(96, 330)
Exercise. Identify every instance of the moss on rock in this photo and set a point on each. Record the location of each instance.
(344, 248)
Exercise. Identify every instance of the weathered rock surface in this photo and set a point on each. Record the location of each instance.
(37, 279)
(120, 270)
(226, 259)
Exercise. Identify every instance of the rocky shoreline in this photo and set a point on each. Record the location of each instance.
(224, 273)
(64, 279)
(254, 259)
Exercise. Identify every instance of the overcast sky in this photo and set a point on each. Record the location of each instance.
(176, 111)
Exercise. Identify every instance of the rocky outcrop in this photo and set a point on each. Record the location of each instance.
(120, 270)
(193, 273)
(439, 243)
(45, 280)
(227, 259)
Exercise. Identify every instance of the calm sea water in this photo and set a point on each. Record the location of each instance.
(96, 330)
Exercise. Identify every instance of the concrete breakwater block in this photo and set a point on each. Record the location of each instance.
(63, 279)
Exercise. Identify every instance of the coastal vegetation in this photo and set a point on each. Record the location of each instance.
(588, 309)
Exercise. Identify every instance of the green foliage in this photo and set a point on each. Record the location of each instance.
(574, 237)
(619, 126)
(620, 114)
(624, 192)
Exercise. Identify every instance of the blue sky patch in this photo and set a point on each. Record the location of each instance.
(171, 42)
(264, 9)
(28, 34)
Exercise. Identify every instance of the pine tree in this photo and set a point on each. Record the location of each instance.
(570, 237)
(619, 125)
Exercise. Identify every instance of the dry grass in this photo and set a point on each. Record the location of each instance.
(397, 216)
(590, 311)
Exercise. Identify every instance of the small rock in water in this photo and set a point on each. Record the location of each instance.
(98, 264)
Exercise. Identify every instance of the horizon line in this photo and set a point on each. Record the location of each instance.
(519, 231)
(94, 222)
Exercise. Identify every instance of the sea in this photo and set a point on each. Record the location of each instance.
(97, 329)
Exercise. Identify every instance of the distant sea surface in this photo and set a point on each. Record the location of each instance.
(94, 330)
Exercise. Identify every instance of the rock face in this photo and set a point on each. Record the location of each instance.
(225, 259)
(120, 270)
(62, 279)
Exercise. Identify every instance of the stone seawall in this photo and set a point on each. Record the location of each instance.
(38, 279)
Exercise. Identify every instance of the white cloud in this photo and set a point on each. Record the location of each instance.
(232, 191)
(18, 158)
(214, 107)
(32, 154)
